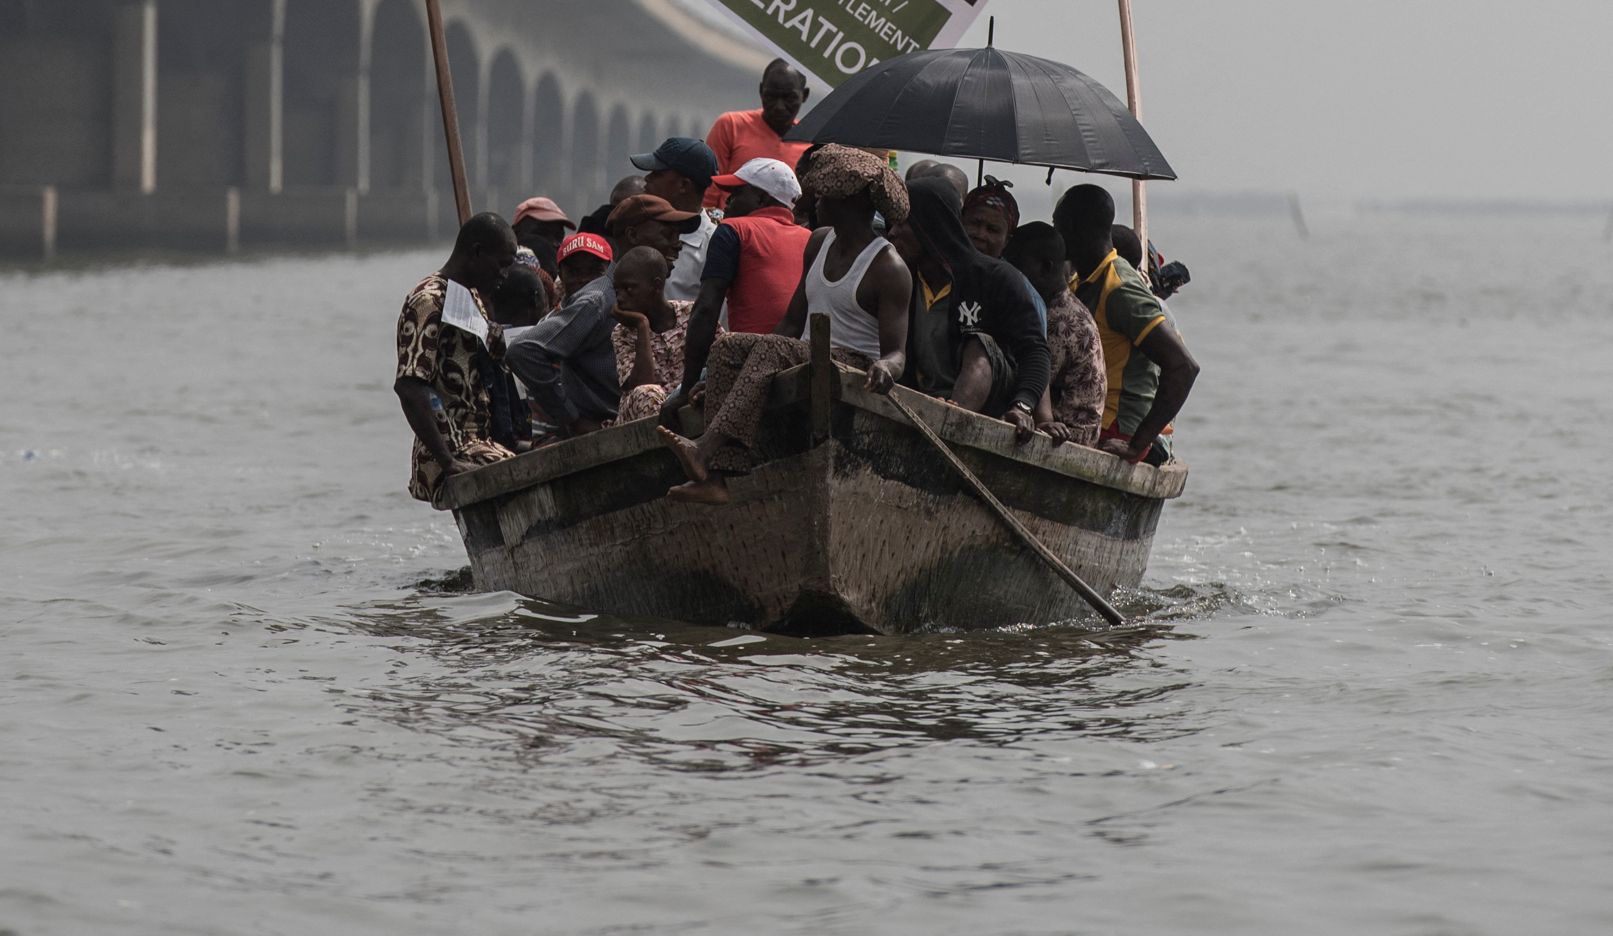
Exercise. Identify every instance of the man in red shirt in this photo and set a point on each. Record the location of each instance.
(740, 136)
(753, 263)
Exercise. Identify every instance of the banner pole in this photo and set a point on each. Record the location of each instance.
(450, 114)
(1134, 100)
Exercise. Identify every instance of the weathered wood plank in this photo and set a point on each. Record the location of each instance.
(961, 427)
(865, 528)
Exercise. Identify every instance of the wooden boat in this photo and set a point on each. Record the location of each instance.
(851, 522)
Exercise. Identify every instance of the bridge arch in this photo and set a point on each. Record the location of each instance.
(618, 146)
(649, 136)
(200, 86)
(320, 92)
(586, 175)
(399, 97)
(58, 106)
(465, 68)
(549, 124)
(508, 156)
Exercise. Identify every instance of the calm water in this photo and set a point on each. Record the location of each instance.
(243, 694)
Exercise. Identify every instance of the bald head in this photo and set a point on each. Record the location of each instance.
(645, 261)
(625, 189)
(929, 168)
(483, 230)
(640, 279)
(783, 71)
(483, 251)
(920, 169)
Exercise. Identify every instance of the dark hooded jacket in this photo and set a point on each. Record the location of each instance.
(988, 295)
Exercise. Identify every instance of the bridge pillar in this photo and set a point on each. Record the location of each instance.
(264, 120)
(361, 99)
(134, 96)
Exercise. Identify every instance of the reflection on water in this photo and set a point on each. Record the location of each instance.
(537, 676)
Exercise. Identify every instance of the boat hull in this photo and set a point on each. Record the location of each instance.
(852, 524)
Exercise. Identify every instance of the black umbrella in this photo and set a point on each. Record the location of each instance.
(987, 104)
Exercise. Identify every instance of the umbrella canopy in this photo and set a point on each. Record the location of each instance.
(987, 104)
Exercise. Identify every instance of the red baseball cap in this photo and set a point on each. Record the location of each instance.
(591, 244)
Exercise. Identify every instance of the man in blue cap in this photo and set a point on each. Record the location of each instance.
(680, 170)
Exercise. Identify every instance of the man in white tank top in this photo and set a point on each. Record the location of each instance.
(850, 274)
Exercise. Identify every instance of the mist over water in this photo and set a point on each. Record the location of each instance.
(246, 689)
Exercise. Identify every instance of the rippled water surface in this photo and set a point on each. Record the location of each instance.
(245, 690)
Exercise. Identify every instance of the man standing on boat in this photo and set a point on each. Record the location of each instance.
(737, 137)
(853, 276)
(1150, 369)
(975, 336)
(680, 170)
(443, 325)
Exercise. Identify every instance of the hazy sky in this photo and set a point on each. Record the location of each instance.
(1350, 99)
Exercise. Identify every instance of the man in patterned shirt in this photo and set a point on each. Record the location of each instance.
(1072, 407)
(437, 360)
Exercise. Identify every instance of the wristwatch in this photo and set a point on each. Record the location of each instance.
(1022, 406)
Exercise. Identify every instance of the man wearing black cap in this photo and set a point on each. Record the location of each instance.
(680, 170)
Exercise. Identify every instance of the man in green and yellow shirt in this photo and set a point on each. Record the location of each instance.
(1149, 368)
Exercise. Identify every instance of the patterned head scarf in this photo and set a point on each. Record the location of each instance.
(994, 194)
(842, 171)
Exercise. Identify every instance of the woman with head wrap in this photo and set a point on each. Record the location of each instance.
(851, 275)
(990, 215)
(975, 335)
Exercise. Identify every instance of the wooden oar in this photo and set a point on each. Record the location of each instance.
(1025, 536)
(450, 113)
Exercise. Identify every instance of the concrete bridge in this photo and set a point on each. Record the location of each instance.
(218, 124)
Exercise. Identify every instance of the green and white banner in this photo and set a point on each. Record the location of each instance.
(831, 40)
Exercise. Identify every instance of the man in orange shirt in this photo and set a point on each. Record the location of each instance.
(741, 136)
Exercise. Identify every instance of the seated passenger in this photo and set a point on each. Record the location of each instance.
(853, 276)
(680, 171)
(540, 226)
(753, 262)
(1150, 371)
(649, 338)
(518, 302)
(974, 337)
(582, 258)
(567, 361)
(1072, 408)
(990, 216)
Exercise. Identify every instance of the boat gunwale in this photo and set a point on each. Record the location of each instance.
(959, 427)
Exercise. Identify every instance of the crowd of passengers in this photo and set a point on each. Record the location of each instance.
(694, 284)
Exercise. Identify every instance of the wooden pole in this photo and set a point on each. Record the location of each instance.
(822, 372)
(1018, 529)
(1134, 100)
(450, 114)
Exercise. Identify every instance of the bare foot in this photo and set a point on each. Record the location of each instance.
(710, 491)
(687, 452)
